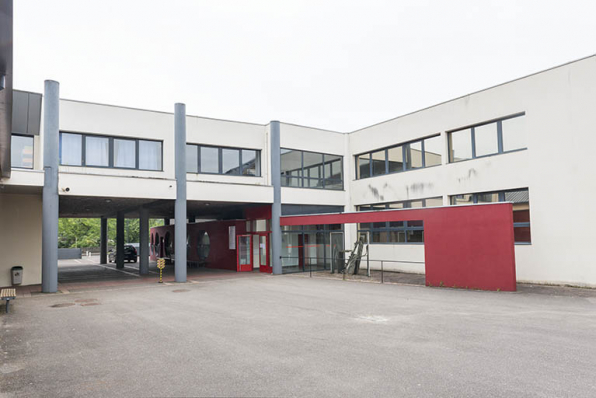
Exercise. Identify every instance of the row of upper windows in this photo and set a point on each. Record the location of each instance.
(398, 158)
(302, 169)
(484, 139)
(219, 160)
(109, 152)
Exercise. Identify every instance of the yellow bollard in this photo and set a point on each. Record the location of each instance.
(161, 264)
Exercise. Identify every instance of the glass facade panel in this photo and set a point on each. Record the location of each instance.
(311, 170)
(395, 158)
(460, 145)
(21, 152)
(378, 163)
(251, 164)
(125, 153)
(414, 155)
(209, 158)
(364, 166)
(192, 159)
(97, 151)
(462, 200)
(487, 141)
(433, 148)
(514, 133)
(150, 155)
(434, 202)
(487, 197)
(71, 149)
(230, 161)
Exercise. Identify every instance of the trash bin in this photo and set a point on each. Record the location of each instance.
(17, 275)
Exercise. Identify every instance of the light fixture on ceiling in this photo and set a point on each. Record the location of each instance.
(108, 200)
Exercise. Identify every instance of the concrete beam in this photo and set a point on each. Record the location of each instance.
(103, 241)
(144, 241)
(49, 240)
(120, 240)
(180, 206)
(276, 207)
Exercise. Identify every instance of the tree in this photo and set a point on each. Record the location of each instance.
(85, 232)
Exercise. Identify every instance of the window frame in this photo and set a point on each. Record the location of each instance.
(404, 150)
(304, 179)
(472, 128)
(220, 149)
(110, 151)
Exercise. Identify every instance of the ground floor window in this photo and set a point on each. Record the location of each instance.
(311, 247)
(521, 208)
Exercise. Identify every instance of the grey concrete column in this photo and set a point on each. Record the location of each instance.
(180, 208)
(143, 241)
(103, 241)
(120, 240)
(276, 207)
(49, 230)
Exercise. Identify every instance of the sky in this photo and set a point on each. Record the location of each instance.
(334, 64)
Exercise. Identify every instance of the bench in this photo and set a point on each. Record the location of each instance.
(7, 295)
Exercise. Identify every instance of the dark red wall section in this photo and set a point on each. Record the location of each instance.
(464, 246)
(220, 255)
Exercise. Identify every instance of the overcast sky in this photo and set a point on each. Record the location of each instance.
(334, 64)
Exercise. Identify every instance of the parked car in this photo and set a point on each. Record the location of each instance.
(130, 254)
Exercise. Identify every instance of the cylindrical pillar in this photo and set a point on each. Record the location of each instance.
(143, 241)
(119, 239)
(276, 207)
(180, 207)
(103, 241)
(49, 230)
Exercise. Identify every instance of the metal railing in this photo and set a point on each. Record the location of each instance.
(328, 262)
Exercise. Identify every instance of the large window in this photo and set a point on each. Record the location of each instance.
(21, 152)
(521, 208)
(311, 247)
(311, 170)
(500, 136)
(101, 151)
(395, 232)
(398, 158)
(218, 160)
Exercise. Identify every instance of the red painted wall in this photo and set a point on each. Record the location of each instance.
(220, 255)
(464, 246)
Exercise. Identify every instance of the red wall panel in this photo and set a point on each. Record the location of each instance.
(464, 246)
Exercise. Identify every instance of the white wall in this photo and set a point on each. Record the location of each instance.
(557, 167)
(20, 237)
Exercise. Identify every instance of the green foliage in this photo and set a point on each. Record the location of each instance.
(84, 232)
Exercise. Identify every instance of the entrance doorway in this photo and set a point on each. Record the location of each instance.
(254, 252)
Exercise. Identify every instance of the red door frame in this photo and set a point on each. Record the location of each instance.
(265, 268)
(244, 267)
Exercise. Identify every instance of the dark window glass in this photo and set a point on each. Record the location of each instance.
(125, 153)
(230, 161)
(487, 197)
(21, 152)
(209, 160)
(415, 236)
(522, 234)
(364, 166)
(192, 159)
(378, 159)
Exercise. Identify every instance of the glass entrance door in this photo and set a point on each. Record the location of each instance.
(264, 254)
(244, 253)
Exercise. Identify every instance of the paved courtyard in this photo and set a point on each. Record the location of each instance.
(259, 335)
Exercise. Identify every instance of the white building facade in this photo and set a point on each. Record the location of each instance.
(528, 141)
